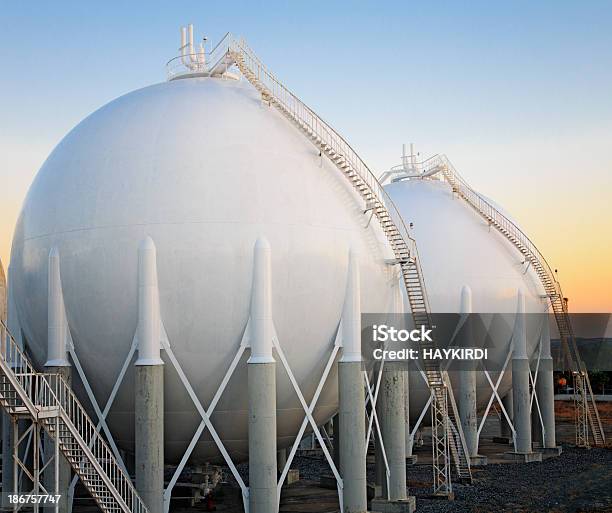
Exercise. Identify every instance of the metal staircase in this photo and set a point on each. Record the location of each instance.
(48, 400)
(231, 51)
(586, 407)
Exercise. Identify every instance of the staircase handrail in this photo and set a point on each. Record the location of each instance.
(494, 212)
(329, 136)
(18, 363)
(51, 391)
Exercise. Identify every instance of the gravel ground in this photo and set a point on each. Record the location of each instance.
(579, 481)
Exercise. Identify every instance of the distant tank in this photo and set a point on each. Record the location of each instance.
(204, 167)
(458, 249)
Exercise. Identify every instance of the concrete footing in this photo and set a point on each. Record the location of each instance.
(478, 460)
(293, 476)
(519, 457)
(550, 452)
(444, 496)
(398, 506)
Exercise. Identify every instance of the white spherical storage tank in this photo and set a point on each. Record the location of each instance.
(458, 249)
(204, 168)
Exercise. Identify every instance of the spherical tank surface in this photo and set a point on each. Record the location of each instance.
(458, 249)
(205, 168)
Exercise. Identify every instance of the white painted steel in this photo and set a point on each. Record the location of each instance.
(261, 304)
(57, 327)
(148, 332)
(202, 167)
(351, 315)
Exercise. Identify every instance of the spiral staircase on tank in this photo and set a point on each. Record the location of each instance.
(449, 445)
(48, 400)
(586, 415)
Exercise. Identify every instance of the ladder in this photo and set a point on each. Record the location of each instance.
(377, 201)
(586, 407)
(48, 400)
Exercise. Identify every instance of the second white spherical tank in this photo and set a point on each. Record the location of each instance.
(204, 168)
(458, 249)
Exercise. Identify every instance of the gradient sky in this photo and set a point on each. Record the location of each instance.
(517, 94)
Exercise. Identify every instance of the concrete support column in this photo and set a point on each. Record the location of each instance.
(392, 409)
(409, 442)
(546, 397)
(467, 409)
(467, 380)
(57, 363)
(520, 387)
(352, 437)
(149, 436)
(262, 437)
(546, 392)
(352, 398)
(522, 412)
(262, 389)
(149, 385)
(520, 381)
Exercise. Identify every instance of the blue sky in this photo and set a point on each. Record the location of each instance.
(518, 94)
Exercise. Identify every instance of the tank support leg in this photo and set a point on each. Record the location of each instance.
(57, 363)
(391, 418)
(467, 386)
(263, 496)
(149, 385)
(391, 410)
(262, 437)
(352, 399)
(520, 390)
(546, 394)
